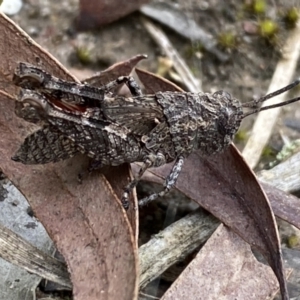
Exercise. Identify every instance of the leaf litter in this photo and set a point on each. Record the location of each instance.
(181, 176)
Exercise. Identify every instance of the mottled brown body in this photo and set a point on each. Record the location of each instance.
(153, 129)
(115, 130)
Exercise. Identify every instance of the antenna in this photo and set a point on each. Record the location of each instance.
(254, 104)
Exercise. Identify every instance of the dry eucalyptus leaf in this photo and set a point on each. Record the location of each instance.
(86, 221)
(118, 183)
(155, 84)
(284, 205)
(231, 272)
(113, 72)
(225, 186)
(17, 46)
(95, 13)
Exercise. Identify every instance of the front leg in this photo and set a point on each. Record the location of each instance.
(132, 85)
(169, 183)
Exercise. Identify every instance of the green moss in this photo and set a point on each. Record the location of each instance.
(268, 28)
(293, 241)
(83, 55)
(227, 40)
(291, 17)
(241, 136)
(288, 150)
(268, 152)
(193, 49)
(256, 7)
(259, 7)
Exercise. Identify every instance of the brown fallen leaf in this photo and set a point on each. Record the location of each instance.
(95, 13)
(86, 221)
(231, 272)
(225, 186)
(284, 205)
(117, 183)
(153, 84)
(113, 72)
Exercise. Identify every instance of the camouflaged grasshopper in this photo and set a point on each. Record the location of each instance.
(112, 130)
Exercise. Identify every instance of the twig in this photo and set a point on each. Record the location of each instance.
(147, 296)
(174, 243)
(163, 250)
(17, 251)
(284, 176)
(265, 122)
(192, 84)
(170, 15)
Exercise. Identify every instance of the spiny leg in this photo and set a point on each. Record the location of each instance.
(128, 189)
(93, 96)
(134, 88)
(169, 183)
(31, 77)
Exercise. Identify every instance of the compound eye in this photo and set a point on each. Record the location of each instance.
(223, 94)
(227, 95)
(32, 77)
(28, 76)
(226, 120)
(33, 99)
(30, 111)
(28, 82)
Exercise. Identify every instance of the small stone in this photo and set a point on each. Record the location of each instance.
(11, 7)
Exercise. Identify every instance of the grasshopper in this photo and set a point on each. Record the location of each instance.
(153, 129)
